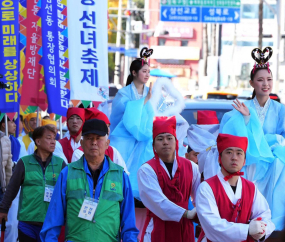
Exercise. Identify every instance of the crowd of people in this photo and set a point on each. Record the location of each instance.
(123, 179)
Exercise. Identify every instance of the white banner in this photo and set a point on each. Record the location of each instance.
(88, 50)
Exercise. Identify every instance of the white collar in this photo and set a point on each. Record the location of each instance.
(234, 197)
(135, 90)
(261, 111)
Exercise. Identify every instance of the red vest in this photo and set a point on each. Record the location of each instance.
(239, 213)
(67, 149)
(177, 190)
(109, 152)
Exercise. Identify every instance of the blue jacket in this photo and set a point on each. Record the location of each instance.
(55, 217)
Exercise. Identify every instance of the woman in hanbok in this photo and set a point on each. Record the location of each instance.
(132, 117)
(262, 121)
(131, 124)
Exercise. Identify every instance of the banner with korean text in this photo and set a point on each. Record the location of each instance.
(33, 93)
(88, 49)
(9, 55)
(54, 37)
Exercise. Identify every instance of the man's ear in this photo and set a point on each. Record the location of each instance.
(3, 125)
(187, 156)
(37, 142)
(108, 143)
(81, 141)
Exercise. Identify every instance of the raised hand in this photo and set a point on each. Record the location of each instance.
(149, 93)
(241, 107)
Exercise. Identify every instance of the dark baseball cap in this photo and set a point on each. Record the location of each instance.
(95, 126)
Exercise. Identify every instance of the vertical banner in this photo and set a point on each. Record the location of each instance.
(88, 49)
(53, 37)
(33, 83)
(9, 55)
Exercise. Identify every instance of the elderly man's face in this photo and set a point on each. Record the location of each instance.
(94, 145)
(47, 141)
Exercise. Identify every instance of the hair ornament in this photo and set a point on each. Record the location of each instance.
(261, 58)
(145, 54)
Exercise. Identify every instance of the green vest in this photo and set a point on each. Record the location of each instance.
(106, 227)
(32, 207)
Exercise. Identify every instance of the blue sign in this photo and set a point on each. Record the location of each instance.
(131, 52)
(200, 14)
(220, 15)
(180, 14)
(113, 49)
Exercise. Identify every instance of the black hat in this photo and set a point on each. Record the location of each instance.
(95, 126)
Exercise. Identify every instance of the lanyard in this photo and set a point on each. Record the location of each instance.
(53, 176)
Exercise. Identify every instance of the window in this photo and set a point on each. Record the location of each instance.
(250, 11)
(161, 41)
(184, 42)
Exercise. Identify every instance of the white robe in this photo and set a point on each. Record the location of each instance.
(154, 199)
(220, 230)
(117, 159)
(57, 151)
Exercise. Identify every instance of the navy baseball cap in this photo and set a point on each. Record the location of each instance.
(95, 126)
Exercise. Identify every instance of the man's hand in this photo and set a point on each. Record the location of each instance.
(191, 214)
(3, 216)
(257, 229)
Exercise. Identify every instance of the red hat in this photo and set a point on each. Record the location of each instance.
(207, 117)
(94, 113)
(225, 141)
(164, 125)
(79, 112)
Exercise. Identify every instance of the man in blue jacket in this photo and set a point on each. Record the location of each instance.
(93, 196)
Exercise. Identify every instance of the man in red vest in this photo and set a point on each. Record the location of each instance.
(229, 207)
(112, 152)
(75, 120)
(165, 185)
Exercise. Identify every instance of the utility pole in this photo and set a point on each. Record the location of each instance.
(128, 41)
(214, 43)
(277, 41)
(219, 56)
(205, 47)
(260, 17)
(118, 44)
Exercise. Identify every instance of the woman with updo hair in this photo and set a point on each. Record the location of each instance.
(131, 118)
(262, 121)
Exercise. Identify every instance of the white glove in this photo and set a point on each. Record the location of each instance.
(258, 236)
(191, 213)
(256, 228)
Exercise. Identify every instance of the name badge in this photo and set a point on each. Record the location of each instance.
(48, 193)
(88, 208)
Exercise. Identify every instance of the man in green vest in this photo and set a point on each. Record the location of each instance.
(36, 175)
(93, 196)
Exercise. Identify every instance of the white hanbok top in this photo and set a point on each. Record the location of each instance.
(220, 230)
(154, 199)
